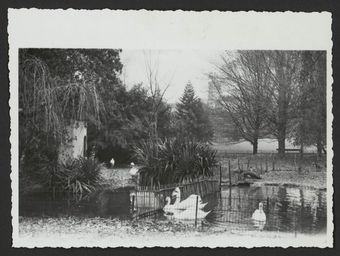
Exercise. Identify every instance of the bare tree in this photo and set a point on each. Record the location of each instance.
(241, 82)
(157, 91)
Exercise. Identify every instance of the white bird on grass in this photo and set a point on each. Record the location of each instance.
(112, 162)
(133, 171)
(259, 217)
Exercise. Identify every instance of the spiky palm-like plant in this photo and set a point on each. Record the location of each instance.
(174, 160)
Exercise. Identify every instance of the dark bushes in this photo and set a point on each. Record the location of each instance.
(174, 160)
(77, 175)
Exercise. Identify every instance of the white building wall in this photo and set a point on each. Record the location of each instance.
(79, 136)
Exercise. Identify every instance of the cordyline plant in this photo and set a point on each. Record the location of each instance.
(174, 160)
(78, 175)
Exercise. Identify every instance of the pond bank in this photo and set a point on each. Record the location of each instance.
(114, 178)
(317, 180)
(113, 232)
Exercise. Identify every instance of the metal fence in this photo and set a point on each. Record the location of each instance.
(148, 201)
(235, 213)
(264, 162)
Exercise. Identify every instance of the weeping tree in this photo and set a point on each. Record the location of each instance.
(48, 103)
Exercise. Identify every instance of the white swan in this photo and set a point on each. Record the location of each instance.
(259, 217)
(189, 202)
(189, 214)
(168, 208)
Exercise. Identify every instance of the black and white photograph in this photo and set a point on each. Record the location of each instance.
(144, 144)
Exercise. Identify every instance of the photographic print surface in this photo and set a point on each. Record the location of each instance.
(192, 135)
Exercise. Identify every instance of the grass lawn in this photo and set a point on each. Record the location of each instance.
(264, 146)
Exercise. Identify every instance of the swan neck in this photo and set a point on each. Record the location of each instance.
(178, 199)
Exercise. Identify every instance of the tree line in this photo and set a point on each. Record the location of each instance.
(274, 93)
(58, 86)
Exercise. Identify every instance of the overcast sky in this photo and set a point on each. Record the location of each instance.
(176, 67)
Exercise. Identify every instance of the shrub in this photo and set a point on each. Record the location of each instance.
(174, 160)
(39, 160)
(78, 175)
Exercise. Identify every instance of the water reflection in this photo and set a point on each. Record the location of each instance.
(287, 208)
(105, 203)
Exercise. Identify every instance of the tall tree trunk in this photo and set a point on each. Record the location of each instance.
(255, 146)
(281, 138)
(282, 105)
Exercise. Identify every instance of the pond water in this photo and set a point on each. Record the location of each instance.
(288, 209)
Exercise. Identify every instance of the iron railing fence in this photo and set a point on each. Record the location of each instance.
(234, 213)
(264, 162)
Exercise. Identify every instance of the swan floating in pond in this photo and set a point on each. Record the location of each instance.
(189, 202)
(171, 211)
(259, 217)
(168, 208)
(189, 214)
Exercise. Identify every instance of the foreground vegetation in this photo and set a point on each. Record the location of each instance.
(76, 232)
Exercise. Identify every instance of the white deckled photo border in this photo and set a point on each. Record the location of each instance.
(207, 30)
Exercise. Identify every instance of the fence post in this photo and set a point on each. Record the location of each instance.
(229, 169)
(220, 178)
(229, 183)
(267, 205)
(133, 203)
(196, 211)
(295, 220)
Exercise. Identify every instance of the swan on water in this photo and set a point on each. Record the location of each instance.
(168, 208)
(171, 211)
(259, 217)
(189, 202)
(189, 214)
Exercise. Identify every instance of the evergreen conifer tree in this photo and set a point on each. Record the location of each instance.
(192, 120)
